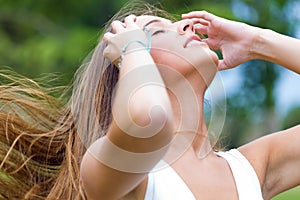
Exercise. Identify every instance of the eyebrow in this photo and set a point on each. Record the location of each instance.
(152, 21)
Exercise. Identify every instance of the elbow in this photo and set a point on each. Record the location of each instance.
(142, 106)
(93, 180)
(86, 178)
(150, 119)
(149, 114)
(150, 108)
(144, 114)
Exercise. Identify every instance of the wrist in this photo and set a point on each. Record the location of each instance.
(136, 45)
(260, 48)
(256, 44)
(132, 46)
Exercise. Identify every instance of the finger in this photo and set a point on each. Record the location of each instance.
(130, 20)
(206, 40)
(117, 26)
(222, 65)
(107, 52)
(201, 29)
(199, 14)
(107, 36)
(110, 53)
(200, 21)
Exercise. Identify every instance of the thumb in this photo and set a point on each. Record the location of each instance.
(210, 43)
(205, 40)
(222, 65)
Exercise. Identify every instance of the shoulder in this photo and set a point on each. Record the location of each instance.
(276, 160)
(257, 153)
(139, 192)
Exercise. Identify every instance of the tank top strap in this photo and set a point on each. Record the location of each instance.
(246, 180)
(166, 184)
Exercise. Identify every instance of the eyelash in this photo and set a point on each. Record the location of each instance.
(158, 32)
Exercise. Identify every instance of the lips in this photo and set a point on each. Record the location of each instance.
(193, 38)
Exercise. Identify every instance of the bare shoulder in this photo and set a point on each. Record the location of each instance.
(276, 160)
(138, 192)
(257, 153)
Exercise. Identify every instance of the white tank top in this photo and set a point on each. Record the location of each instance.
(166, 184)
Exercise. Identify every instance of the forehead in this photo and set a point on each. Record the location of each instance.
(144, 19)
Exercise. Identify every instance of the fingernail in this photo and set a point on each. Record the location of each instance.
(197, 26)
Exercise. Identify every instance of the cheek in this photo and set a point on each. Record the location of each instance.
(164, 52)
(204, 62)
(184, 60)
(166, 57)
(197, 61)
(171, 59)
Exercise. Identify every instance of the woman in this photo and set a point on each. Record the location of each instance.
(163, 69)
(43, 140)
(258, 170)
(149, 110)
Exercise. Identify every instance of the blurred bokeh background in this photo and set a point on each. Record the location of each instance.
(54, 36)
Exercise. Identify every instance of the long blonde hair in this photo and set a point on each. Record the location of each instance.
(43, 139)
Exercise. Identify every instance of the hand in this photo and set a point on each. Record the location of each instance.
(122, 34)
(233, 39)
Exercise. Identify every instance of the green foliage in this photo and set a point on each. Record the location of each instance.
(45, 36)
(55, 36)
(251, 109)
(292, 194)
(50, 36)
(292, 118)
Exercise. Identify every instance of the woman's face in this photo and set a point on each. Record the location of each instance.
(175, 45)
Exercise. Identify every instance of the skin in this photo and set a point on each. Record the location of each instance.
(240, 42)
(275, 158)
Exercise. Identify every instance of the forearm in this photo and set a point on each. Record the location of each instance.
(142, 114)
(141, 93)
(142, 78)
(139, 133)
(277, 48)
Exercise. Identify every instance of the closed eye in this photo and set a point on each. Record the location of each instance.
(158, 32)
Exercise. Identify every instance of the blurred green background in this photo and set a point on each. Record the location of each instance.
(54, 36)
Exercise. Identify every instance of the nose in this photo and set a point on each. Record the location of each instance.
(186, 25)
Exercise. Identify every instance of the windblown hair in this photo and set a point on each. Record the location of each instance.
(43, 139)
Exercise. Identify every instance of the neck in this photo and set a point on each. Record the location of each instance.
(191, 131)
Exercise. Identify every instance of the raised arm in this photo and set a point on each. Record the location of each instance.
(276, 157)
(141, 127)
(276, 160)
(277, 48)
(240, 42)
